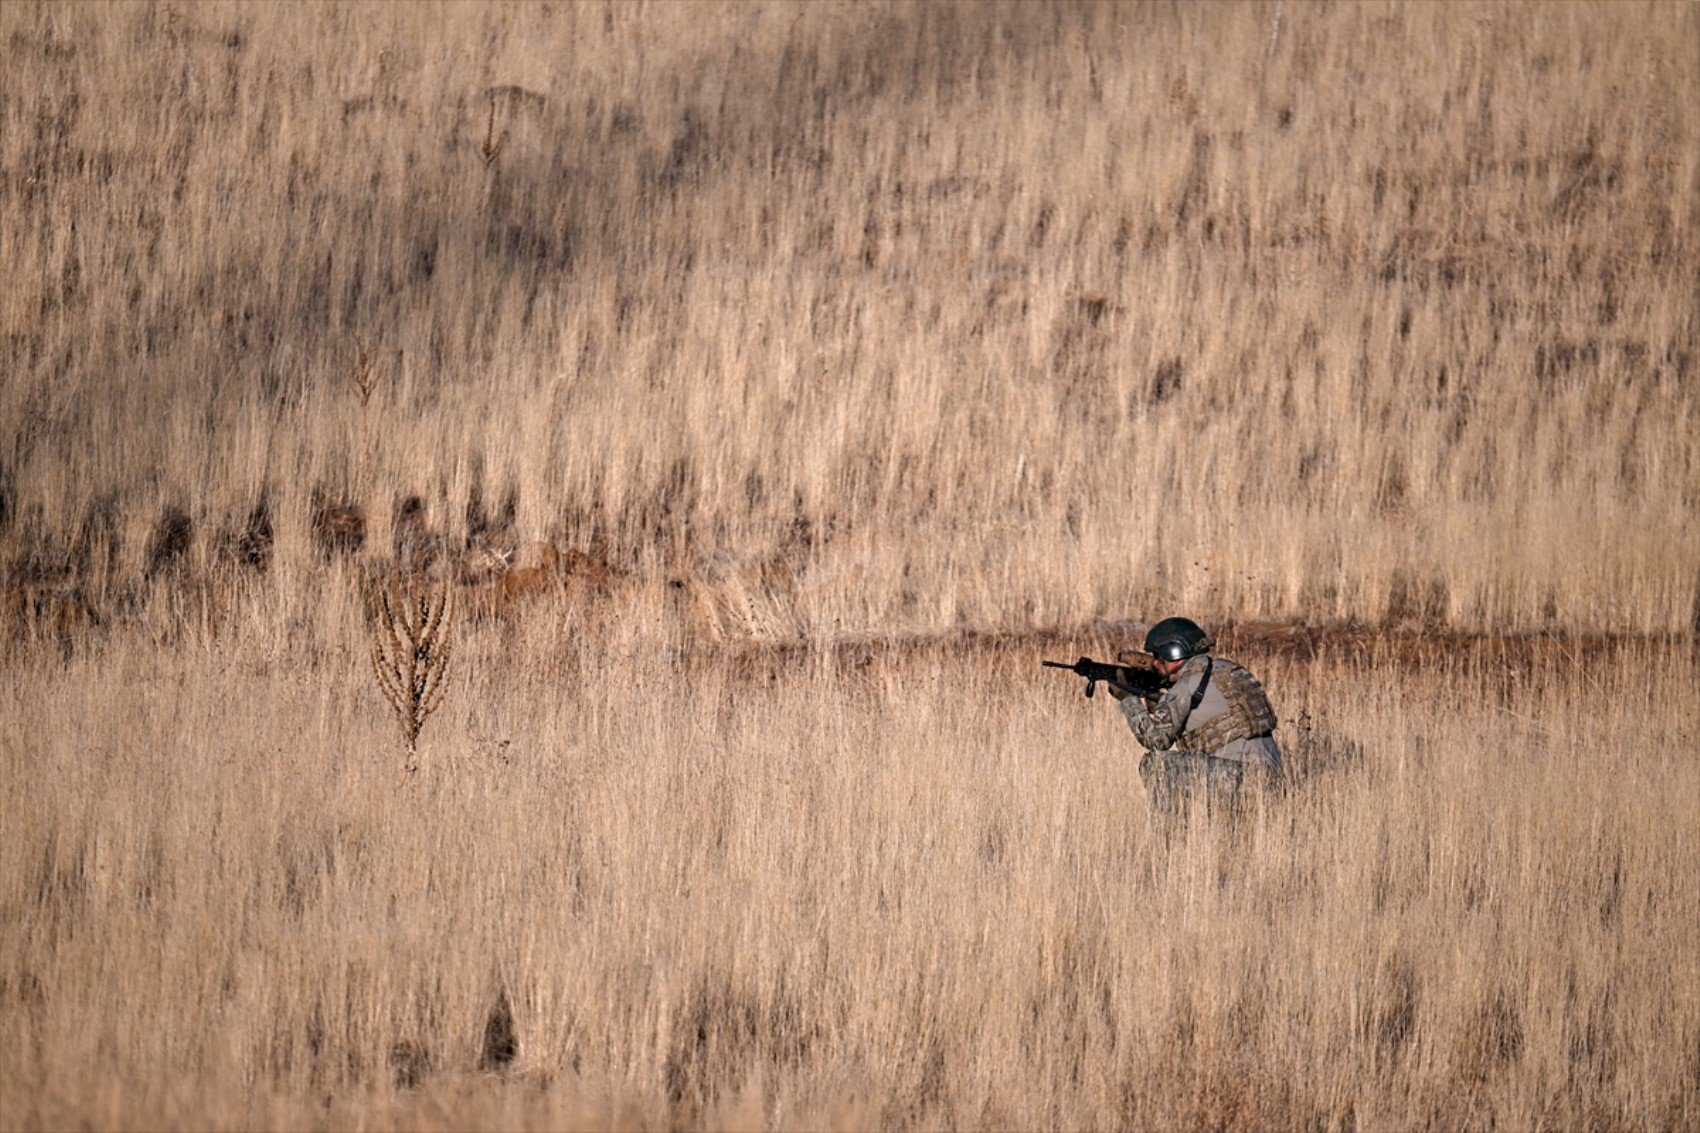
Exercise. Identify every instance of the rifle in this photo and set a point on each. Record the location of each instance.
(1138, 677)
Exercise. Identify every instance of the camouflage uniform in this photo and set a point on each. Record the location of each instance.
(1212, 730)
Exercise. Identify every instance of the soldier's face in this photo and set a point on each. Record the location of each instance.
(1169, 668)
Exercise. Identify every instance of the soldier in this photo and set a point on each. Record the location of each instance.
(1211, 729)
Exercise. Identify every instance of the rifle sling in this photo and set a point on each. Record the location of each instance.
(1198, 693)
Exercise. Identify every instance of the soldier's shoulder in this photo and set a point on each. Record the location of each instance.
(1226, 666)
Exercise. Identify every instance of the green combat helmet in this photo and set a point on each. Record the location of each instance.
(1174, 639)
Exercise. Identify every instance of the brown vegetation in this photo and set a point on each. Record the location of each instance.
(1027, 318)
(914, 888)
(412, 633)
(772, 386)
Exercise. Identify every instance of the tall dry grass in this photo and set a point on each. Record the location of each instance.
(922, 890)
(810, 336)
(972, 315)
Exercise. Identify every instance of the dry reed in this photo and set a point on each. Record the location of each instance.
(930, 897)
(783, 377)
(968, 316)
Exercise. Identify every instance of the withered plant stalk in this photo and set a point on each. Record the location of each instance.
(411, 650)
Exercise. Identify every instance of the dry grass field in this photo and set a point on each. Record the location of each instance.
(772, 386)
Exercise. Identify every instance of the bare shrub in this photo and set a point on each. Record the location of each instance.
(411, 650)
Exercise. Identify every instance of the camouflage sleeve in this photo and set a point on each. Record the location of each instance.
(1157, 728)
(1152, 727)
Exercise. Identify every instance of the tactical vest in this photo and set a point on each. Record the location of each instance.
(1249, 713)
